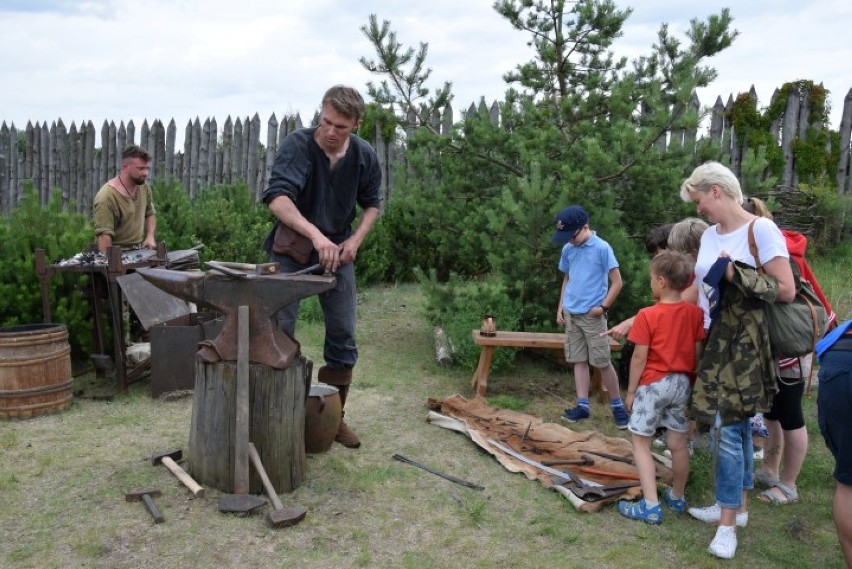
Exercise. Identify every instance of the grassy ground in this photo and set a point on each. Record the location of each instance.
(63, 478)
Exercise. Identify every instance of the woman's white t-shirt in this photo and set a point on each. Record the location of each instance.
(768, 238)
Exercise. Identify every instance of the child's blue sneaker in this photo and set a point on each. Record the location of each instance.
(621, 417)
(578, 413)
(676, 504)
(640, 511)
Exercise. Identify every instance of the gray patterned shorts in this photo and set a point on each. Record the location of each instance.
(661, 404)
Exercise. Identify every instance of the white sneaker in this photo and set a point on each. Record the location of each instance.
(758, 454)
(712, 514)
(724, 545)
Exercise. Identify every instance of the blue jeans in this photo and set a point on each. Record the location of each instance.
(734, 462)
(338, 308)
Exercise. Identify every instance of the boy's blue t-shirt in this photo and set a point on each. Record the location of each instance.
(587, 266)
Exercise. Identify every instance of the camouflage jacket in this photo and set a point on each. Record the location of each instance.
(736, 374)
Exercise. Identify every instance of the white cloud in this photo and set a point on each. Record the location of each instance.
(182, 59)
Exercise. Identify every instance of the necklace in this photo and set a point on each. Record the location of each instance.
(133, 196)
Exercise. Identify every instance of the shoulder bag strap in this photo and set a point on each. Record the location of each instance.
(815, 337)
(752, 247)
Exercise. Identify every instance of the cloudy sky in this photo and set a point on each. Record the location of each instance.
(122, 60)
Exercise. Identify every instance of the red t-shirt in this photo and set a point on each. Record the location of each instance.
(670, 331)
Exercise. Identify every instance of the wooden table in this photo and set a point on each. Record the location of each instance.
(102, 280)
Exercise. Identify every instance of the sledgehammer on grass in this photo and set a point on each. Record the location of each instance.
(278, 516)
(144, 494)
(168, 458)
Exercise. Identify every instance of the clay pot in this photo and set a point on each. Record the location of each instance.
(488, 327)
(322, 417)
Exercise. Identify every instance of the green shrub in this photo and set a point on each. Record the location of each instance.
(62, 234)
(375, 262)
(833, 210)
(230, 224)
(458, 306)
(310, 310)
(174, 215)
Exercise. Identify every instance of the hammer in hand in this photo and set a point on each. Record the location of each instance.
(144, 494)
(168, 458)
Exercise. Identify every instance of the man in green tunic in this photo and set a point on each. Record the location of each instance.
(124, 207)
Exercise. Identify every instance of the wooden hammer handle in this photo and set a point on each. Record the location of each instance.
(152, 509)
(181, 475)
(241, 418)
(267, 484)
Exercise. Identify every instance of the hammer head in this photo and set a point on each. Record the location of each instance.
(175, 454)
(136, 494)
(285, 517)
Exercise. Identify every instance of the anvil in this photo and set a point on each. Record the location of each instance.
(265, 295)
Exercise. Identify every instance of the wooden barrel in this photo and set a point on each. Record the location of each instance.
(276, 424)
(35, 370)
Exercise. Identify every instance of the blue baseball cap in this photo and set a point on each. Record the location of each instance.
(569, 221)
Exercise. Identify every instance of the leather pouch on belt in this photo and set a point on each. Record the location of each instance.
(287, 241)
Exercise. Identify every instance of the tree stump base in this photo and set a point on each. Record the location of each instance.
(276, 423)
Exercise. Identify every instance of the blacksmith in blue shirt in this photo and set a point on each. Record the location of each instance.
(319, 176)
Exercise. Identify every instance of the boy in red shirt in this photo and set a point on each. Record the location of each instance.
(668, 344)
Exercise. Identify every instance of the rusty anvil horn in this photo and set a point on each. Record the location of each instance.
(265, 295)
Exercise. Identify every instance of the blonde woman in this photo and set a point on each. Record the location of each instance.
(736, 376)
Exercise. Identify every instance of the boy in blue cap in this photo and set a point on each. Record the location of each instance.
(592, 282)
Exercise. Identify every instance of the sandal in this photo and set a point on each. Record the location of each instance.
(640, 511)
(765, 480)
(791, 495)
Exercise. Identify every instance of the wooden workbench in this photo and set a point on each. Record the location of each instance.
(102, 283)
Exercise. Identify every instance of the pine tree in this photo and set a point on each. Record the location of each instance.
(578, 125)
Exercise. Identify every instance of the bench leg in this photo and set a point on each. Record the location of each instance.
(479, 381)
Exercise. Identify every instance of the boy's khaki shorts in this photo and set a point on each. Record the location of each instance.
(584, 341)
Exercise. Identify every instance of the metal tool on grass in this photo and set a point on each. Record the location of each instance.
(147, 495)
(169, 459)
(278, 516)
(449, 477)
(241, 500)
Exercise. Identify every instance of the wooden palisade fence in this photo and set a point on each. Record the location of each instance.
(66, 158)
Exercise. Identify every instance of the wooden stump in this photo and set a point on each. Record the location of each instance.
(276, 423)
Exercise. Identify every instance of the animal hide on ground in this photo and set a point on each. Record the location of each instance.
(530, 436)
